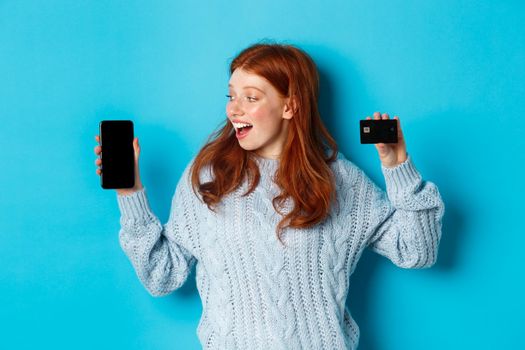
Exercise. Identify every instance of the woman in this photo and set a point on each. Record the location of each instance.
(275, 219)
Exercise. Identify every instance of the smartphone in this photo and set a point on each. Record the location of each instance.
(118, 156)
(378, 130)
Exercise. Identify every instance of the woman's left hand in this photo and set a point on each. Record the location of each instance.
(391, 154)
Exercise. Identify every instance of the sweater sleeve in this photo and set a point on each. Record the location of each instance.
(405, 227)
(160, 259)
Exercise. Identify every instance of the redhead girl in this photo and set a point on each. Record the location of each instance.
(274, 218)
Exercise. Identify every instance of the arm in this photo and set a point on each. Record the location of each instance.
(156, 251)
(406, 225)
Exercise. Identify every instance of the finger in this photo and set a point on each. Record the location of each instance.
(398, 123)
(98, 161)
(368, 117)
(97, 138)
(381, 147)
(99, 171)
(377, 115)
(98, 149)
(385, 116)
(399, 130)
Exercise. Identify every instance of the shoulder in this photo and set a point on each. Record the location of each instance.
(205, 173)
(185, 185)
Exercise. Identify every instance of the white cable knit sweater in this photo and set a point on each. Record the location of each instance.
(257, 293)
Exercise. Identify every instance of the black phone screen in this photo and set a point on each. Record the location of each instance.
(118, 157)
(378, 130)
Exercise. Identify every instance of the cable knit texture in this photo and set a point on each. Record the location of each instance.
(259, 294)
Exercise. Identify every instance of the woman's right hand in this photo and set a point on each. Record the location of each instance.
(138, 184)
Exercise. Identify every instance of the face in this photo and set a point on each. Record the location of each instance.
(253, 100)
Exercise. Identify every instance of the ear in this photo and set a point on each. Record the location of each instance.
(290, 108)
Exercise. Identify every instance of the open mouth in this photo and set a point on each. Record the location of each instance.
(242, 129)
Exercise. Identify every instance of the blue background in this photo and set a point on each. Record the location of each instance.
(453, 71)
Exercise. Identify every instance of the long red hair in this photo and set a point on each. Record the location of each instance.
(304, 173)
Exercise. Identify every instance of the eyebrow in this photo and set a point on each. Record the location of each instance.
(247, 87)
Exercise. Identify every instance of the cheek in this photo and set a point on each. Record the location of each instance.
(264, 116)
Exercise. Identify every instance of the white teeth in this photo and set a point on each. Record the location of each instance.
(240, 125)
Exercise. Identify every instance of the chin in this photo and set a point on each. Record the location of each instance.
(248, 148)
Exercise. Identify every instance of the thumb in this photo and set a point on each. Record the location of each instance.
(136, 147)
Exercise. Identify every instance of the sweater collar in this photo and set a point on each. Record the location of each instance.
(267, 166)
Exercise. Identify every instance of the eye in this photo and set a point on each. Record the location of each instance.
(251, 99)
(229, 97)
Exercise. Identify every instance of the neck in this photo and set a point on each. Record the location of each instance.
(267, 166)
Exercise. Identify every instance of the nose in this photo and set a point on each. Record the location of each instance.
(233, 108)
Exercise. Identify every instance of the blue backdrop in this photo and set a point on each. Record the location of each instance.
(452, 70)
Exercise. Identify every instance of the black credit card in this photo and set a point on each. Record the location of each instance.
(378, 130)
(118, 155)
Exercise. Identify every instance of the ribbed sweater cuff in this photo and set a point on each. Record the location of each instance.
(401, 177)
(134, 206)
